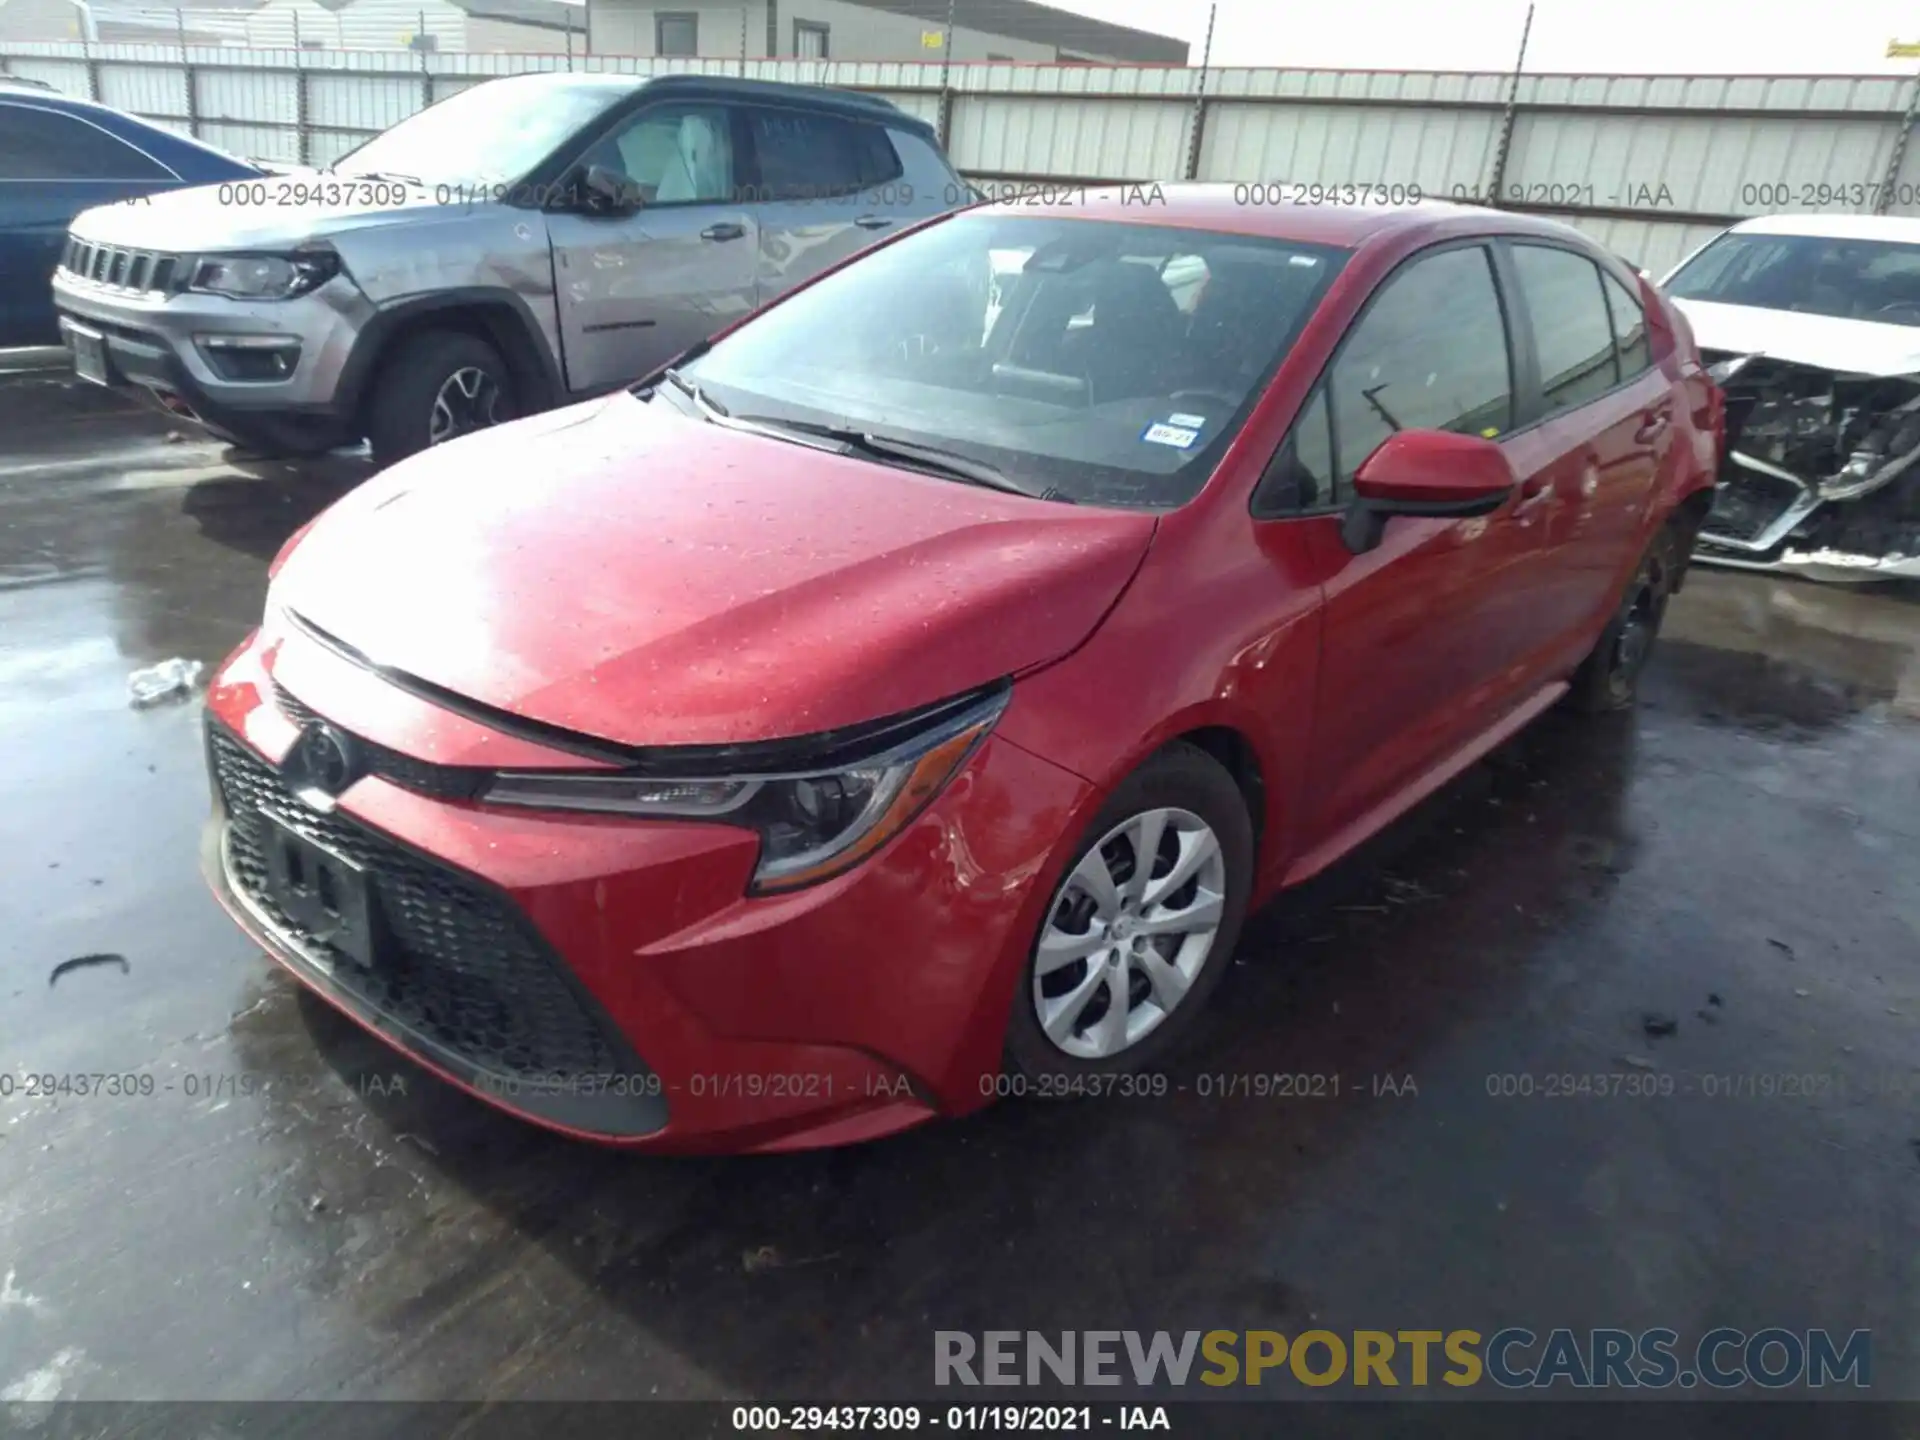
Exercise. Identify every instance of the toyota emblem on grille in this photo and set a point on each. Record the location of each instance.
(322, 759)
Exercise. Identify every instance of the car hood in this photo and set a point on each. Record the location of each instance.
(1826, 342)
(631, 573)
(200, 218)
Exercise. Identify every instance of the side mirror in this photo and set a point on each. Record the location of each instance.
(606, 191)
(1424, 472)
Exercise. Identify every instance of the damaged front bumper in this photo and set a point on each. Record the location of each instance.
(1822, 472)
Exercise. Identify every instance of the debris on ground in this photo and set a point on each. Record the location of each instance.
(1638, 1062)
(1406, 892)
(169, 680)
(1801, 994)
(81, 962)
(1781, 945)
(1657, 1024)
(763, 1257)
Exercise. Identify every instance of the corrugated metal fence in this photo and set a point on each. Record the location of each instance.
(1651, 166)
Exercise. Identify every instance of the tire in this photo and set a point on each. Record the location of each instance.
(1190, 791)
(422, 371)
(1609, 678)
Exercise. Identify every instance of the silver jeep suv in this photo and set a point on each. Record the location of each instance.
(526, 242)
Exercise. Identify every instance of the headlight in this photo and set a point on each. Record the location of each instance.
(812, 824)
(264, 277)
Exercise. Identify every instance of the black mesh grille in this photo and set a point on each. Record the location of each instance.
(460, 965)
(443, 782)
(1745, 507)
(126, 269)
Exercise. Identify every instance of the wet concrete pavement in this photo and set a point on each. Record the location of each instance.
(294, 1213)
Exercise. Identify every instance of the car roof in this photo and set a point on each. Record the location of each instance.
(1270, 212)
(851, 103)
(1837, 227)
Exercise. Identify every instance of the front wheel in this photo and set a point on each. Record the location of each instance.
(1142, 927)
(437, 386)
(1609, 678)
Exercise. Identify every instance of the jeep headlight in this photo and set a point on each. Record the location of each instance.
(263, 277)
(812, 824)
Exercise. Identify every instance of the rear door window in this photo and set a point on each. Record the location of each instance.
(804, 155)
(37, 144)
(1571, 329)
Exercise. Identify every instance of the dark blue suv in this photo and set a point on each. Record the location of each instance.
(57, 158)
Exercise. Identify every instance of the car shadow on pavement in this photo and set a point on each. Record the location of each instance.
(1093, 1213)
(266, 500)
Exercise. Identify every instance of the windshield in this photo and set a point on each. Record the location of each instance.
(1107, 362)
(1815, 274)
(489, 134)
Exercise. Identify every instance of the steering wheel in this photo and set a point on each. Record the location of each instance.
(1221, 397)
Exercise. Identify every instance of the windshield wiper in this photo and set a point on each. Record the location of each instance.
(1372, 397)
(707, 404)
(922, 457)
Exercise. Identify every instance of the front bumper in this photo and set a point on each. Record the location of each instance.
(610, 979)
(157, 342)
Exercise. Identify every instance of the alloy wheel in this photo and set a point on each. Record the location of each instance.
(1128, 932)
(468, 400)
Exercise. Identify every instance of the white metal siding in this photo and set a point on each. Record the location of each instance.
(1657, 162)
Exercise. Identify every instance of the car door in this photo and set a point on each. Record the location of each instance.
(1429, 638)
(1592, 426)
(823, 187)
(52, 166)
(638, 285)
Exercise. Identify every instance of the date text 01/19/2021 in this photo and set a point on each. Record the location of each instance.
(1062, 1419)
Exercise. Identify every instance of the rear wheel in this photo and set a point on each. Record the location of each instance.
(435, 387)
(1142, 927)
(1609, 678)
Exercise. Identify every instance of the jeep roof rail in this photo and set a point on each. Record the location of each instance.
(853, 103)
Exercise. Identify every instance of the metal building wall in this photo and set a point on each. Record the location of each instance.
(1650, 165)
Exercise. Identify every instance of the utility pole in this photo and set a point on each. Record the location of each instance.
(1200, 100)
(1498, 178)
(946, 75)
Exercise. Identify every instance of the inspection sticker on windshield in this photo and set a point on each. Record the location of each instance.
(1180, 437)
(1188, 422)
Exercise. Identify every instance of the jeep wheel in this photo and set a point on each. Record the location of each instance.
(436, 387)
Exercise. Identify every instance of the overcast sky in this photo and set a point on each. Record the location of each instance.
(1622, 37)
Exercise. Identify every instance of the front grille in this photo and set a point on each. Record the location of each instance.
(121, 268)
(460, 967)
(1743, 508)
(442, 782)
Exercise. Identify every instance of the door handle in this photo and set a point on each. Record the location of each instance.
(874, 222)
(1533, 487)
(1652, 427)
(725, 230)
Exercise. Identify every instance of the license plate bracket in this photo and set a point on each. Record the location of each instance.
(322, 892)
(89, 349)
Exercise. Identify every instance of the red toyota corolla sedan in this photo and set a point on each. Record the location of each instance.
(918, 684)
